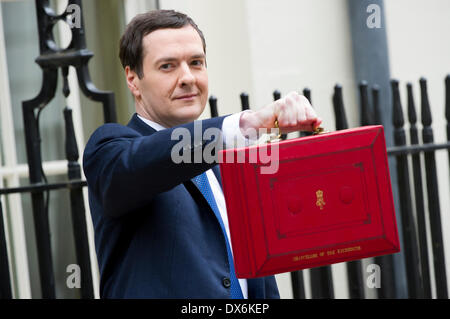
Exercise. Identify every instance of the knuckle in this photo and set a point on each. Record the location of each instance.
(290, 101)
(311, 112)
(292, 94)
(282, 122)
(278, 103)
(302, 110)
(302, 118)
(282, 105)
(304, 99)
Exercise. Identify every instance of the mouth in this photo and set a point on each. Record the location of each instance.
(186, 97)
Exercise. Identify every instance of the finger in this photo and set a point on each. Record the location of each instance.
(292, 110)
(278, 110)
(317, 123)
(310, 113)
(301, 115)
(303, 109)
(311, 125)
(282, 114)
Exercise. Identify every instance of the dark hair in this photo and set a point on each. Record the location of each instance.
(130, 53)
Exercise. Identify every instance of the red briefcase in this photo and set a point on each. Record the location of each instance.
(328, 201)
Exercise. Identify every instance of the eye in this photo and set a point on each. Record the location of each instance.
(197, 62)
(166, 66)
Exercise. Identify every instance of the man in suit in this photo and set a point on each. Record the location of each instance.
(161, 229)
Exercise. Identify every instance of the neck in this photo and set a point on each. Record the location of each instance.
(141, 111)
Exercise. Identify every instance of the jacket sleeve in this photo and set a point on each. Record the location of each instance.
(125, 169)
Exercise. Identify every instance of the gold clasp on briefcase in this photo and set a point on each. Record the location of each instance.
(270, 138)
(276, 137)
(319, 130)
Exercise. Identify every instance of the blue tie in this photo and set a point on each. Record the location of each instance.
(203, 184)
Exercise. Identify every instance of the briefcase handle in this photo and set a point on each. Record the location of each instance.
(317, 131)
(271, 138)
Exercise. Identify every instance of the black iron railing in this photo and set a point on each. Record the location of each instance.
(52, 59)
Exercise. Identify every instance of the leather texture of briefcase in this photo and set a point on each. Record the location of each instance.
(328, 201)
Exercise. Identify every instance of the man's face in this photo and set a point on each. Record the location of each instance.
(174, 86)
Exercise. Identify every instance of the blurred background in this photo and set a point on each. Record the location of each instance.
(253, 46)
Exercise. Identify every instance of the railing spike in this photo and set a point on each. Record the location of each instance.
(398, 119)
(412, 116)
(366, 118)
(339, 110)
(376, 104)
(307, 94)
(245, 101)
(426, 112)
(276, 95)
(213, 106)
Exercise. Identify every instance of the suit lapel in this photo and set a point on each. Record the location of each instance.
(216, 171)
(203, 196)
(138, 125)
(196, 193)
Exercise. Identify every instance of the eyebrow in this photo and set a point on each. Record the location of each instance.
(170, 59)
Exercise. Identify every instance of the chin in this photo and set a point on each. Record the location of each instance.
(191, 115)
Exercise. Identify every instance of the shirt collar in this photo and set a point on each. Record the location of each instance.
(152, 124)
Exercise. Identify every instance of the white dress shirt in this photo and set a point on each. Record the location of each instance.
(231, 135)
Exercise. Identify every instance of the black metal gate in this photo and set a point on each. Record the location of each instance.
(51, 60)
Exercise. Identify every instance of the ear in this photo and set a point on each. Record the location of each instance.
(132, 82)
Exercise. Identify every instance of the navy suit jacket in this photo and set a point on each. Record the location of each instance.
(155, 234)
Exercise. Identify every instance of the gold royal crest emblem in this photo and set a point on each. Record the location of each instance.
(320, 202)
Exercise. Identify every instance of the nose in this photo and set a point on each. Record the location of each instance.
(186, 77)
